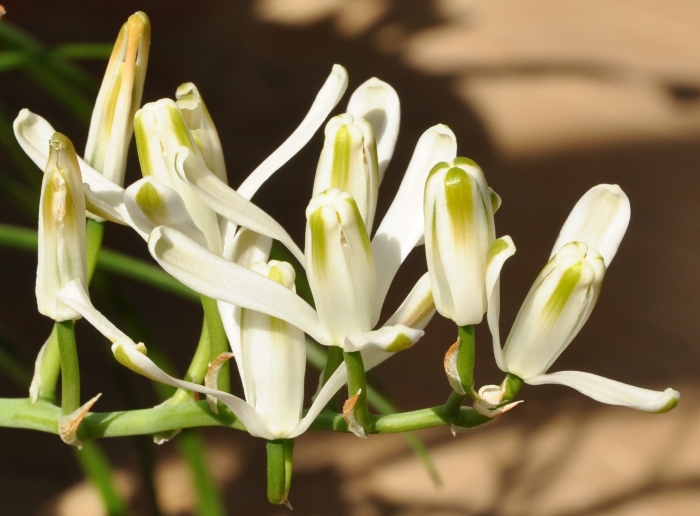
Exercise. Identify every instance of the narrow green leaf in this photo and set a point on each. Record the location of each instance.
(98, 471)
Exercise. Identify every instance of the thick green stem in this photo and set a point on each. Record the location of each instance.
(70, 372)
(466, 358)
(50, 369)
(198, 366)
(357, 384)
(512, 384)
(218, 342)
(93, 241)
(279, 470)
(334, 358)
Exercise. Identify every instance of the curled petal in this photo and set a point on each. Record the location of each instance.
(215, 277)
(418, 308)
(228, 203)
(610, 391)
(327, 98)
(150, 204)
(402, 226)
(599, 219)
(502, 249)
(33, 134)
(391, 339)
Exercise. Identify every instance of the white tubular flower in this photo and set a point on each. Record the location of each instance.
(160, 132)
(562, 298)
(271, 360)
(202, 127)
(273, 353)
(459, 230)
(340, 265)
(119, 98)
(349, 162)
(62, 255)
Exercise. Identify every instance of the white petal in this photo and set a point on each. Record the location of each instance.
(74, 295)
(274, 359)
(228, 203)
(418, 308)
(391, 339)
(610, 391)
(33, 134)
(377, 102)
(599, 219)
(215, 277)
(500, 251)
(150, 204)
(327, 98)
(402, 226)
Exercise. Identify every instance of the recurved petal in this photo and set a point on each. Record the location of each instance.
(33, 134)
(215, 277)
(502, 249)
(610, 391)
(418, 308)
(228, 203)
(327, 98)
(377, 102)
(150, 204)
(402, 226)
(391, 339)
(599, 219)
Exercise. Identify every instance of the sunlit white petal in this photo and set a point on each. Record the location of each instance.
(327, 98)
(610, 391)
(599, 219)
(402, 226)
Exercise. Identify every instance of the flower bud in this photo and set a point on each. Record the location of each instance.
(202, 128)
(459, 229)
(340, 265)
(554, 310)
(62, 255)
(160, 133)
(119, 98)
(273, 353)
(349, 162)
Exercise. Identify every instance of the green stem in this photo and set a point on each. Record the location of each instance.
(218, 342)
(279, 470)
(466, 358)
(198, 367)
(70, 373)
(512, 384)
(357, 383)
(334, 358)
(20, 413)
(50, 369)
(94, 233)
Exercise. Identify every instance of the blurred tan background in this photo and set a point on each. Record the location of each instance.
(551, 97)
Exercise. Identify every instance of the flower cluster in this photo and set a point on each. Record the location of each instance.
(213, 239)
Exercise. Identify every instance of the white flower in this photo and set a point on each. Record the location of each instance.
(562, 298)
(61, 238)
(459, 230)
(119, 98)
